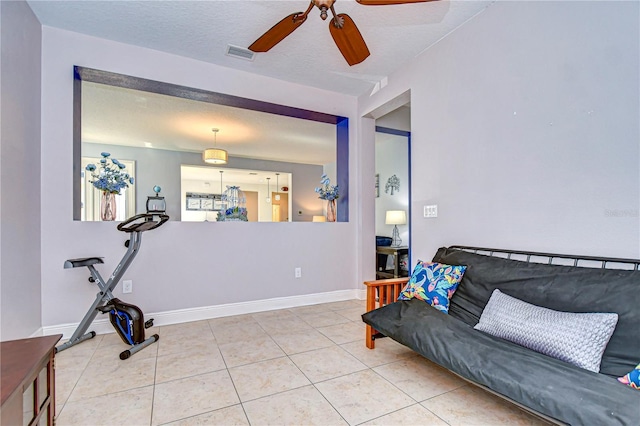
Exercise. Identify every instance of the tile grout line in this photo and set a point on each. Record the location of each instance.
(303, 373)
(235, 388)
(155, 377)
(79, 376)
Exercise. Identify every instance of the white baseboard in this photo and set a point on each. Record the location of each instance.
(39, 332)
(103, 326)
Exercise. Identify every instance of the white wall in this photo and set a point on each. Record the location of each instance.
(398, 119)
(525, 130)
(181, 265)
(20, 295)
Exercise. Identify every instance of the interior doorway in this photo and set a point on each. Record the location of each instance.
(280, 206)
(393, 191)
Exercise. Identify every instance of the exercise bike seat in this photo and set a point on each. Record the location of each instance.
(83, 261)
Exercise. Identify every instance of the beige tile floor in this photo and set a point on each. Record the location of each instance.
(298, 366)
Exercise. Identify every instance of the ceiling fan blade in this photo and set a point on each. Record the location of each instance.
(278, 32)
(387, 2)
(349, 40)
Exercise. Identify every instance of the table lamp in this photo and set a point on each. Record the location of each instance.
(396, 217)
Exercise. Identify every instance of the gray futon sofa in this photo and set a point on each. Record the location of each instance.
(555, 389)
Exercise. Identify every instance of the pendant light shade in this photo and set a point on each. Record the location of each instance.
(277, 197)
(215, 155)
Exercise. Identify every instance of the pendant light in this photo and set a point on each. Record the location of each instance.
(277, 197)
(215, 155)
(268, 191)
(222, 203)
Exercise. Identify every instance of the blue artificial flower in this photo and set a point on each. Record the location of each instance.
(108, 178)
(328, 192)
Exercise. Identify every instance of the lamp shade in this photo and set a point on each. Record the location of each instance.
(215, 156)
(396, 217)
(319, 219)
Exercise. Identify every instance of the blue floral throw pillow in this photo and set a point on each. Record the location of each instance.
(434, 283)
(632, 378)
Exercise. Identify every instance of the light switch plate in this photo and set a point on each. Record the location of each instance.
(431, 211)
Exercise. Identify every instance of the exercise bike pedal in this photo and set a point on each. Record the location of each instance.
(148, 323)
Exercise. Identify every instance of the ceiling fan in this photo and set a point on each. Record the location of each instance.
(342, 28)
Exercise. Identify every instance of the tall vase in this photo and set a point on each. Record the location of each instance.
(331, 210)
(107, 206)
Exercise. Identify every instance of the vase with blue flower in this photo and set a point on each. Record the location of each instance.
(110, 178)
(331, 194)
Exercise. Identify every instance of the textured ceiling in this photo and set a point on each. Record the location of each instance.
(203, 29)
(113, 115)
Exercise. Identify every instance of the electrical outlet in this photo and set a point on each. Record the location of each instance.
(127, 286)
(298, 272)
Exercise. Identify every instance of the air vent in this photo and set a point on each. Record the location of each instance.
(240, 52)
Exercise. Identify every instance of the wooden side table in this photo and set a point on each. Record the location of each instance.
(28, 381)
(381, 268)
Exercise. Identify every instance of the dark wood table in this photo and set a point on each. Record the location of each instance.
(28, 381)
(381, 259)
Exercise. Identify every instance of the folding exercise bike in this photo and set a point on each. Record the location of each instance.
(128, 320)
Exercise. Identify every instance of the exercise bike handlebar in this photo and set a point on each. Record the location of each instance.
(143, 222)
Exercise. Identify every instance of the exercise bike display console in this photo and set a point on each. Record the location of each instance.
(127, 319)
